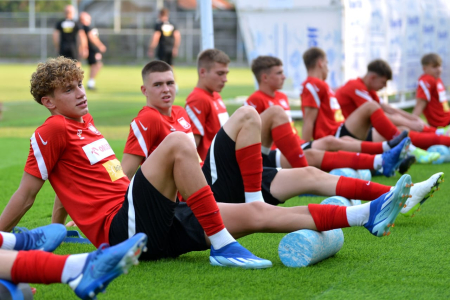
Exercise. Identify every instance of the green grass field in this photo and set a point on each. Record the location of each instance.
(412, 263)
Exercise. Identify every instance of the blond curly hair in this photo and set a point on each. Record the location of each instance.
(54, 73)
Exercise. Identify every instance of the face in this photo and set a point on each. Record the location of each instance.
(214, 80)
(69, 101)
(159, 89)
(323, 64)
(434, 71)
(275, 78)
(69, 11)
(377, 82)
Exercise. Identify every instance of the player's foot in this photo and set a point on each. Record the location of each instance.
(395, 141)
(425, 157)
(420, 193)
(444, 131)
(105, 264)
(385, 209)
(45, 238)
(406, 164)
(393, 157)
(234, 255)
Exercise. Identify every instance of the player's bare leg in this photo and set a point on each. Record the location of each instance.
(331, 143)
(7, 258)
(244, 127)
(359, 123)
(272, 117)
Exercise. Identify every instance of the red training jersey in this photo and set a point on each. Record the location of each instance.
(316, 93)
(208, 114)
(150, 128)
(433, 91)
(82, 169)
(353, 94)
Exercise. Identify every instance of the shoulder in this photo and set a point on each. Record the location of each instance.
(197, 95)
(427, 78)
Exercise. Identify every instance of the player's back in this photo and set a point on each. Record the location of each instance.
(432, 90)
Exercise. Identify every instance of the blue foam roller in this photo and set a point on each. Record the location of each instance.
(337, 200)
(443, 151)
(365, 175)
(346, 172)
(306, 247)
(9, 290)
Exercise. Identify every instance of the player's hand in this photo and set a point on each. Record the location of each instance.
(151, 53)
(102, 49)
(175, 52)
(71, 224)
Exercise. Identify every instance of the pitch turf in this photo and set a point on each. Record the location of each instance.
(412, 262)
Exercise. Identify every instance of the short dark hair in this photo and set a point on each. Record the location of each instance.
(431, 59)
(311, 56)
(381, 68)
(208, 57)
(155, 66)
(263, 64)
(164, 12)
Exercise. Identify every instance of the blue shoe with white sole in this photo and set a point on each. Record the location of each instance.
(45, 238)
(385, 209)
(234, 255)
(393, 157)
(107, 263)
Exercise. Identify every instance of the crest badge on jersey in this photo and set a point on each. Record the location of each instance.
(79, 133)
(184, 123)
(93, 129)
(222, 104)
(283, 103)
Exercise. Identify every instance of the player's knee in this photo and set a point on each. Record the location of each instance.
(371, 106)
(248, 115)
(278, 113)
(179, 142)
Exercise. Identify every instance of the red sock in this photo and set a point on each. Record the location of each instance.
(429, 129)
(383, 125)
(38, 267)
(352, 188)
(249, 160)
(328, 217)
(205, 209)
(372, 147)
(425, 139)
(289, 145)
(343, 159)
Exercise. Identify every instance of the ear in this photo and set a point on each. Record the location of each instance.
(47, 101)
(263, 77)
(144, 90)
(202, 72)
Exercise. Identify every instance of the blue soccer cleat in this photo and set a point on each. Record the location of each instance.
(105, 264)
(234, 255)
(393, 157)
(45, 238)
(385, 209)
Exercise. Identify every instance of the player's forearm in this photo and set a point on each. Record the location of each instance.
(59, 214)
(307, 132)
(56, 40)
(177, 39)
(17, 206)
(420, 106)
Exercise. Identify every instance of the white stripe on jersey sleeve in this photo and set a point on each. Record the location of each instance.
(140, 138)
(363, 95)
(425, 89)
(313, 92)
(196, 121)
(39, 158)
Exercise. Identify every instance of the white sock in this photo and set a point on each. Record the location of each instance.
(9, 241)
(378, 162)
(411, 148)
(358, 215)
(253, 196)
(220, 239)
(91, 82)
(73, 267)
(265, 150)
(386, 146)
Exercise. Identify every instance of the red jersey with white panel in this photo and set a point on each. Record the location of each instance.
(353, 94)
(150, 128)
(433, 90)
(208, 114)
(316, 93)
(82, 169)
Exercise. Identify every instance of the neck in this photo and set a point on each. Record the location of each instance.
(165, 112)
(267, 90)
(202, 86)
(316, 73)
(365, 79)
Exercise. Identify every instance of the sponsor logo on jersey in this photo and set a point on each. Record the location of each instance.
(44, 143)
(184, 123)
(222, 104)
(143, 127)
(79, 134)
(93, 129)
(98, 150)
(68, 26)
(114, 169)
(284, 103)
(197, 111)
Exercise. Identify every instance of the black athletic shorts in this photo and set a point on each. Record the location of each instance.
(223, 175)
(172, 228)
(92, 57)
(165, 56)
(343, 131)
(69, 52)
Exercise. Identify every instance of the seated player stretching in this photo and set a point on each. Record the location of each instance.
(233, 166)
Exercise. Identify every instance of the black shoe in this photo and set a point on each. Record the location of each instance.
(395, 141)
(406, 164)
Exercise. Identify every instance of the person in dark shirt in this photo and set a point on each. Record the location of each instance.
(65, 36)
(95, 47)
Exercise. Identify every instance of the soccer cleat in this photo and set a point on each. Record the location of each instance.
(425, 157)
(393, 157)
(443, 131)
(234, 255)
(395, 141)
(105, 264)
(385, 209)
(421, 192)
(45, 238)
(406, 164)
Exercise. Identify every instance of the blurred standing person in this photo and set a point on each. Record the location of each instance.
(95, 47)
(166, 37)
(65, 36)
